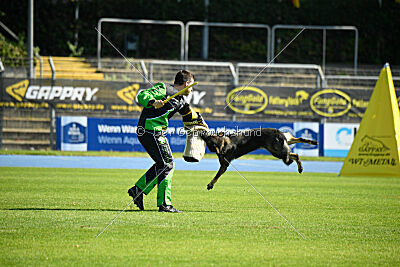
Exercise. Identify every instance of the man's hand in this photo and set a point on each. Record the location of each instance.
(158, 104)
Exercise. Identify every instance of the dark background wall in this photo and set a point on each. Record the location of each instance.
(379, 28)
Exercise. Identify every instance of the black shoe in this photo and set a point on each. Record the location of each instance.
(168, 208)
(137, 196)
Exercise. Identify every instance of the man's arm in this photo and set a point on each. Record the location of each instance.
(152, 96)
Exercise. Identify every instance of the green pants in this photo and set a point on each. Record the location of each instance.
(147, 182)
(156, 144)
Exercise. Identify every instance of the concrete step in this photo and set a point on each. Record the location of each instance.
(26, 130)
(67, 69)
(76, 76)
(25, 142)
(10, 144)
(71, 59)
(26, 119)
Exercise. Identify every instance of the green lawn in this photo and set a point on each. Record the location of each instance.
(51, 217)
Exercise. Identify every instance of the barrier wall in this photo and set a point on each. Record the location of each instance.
(82, 133)
(337, 138)
(300, 104)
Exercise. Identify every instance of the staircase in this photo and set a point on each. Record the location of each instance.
(68, 68)
(25, 129)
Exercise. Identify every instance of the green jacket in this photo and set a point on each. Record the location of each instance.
(157, 119)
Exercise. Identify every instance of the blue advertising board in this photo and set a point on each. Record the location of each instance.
(111, 134)
(338, 138)
(72, 133)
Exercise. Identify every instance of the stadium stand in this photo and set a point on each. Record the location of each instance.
(68, 68)
(24, 129)
(30, 128)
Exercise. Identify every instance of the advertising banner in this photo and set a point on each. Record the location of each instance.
(376, 147)
(111, 134)
(338, 138)
(299, 103)
(88, 95)
(72, 133)
(338, 105)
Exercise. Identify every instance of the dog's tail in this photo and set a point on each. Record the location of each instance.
(294, 140)
(311, 142)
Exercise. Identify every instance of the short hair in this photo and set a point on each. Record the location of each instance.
(183, 76)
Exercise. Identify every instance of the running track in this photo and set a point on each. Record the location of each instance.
(145, 163)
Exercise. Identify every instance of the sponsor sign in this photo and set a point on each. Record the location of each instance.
(299, 103)
(113, 134)
(88, 95)
(376, 147)
(330, 103)
(338, 138)
(374, 151)
(122, 134)
(73, 133)
(247, 100)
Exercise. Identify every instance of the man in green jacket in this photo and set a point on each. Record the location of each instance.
(153, 121)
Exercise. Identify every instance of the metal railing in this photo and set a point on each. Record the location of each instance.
(1, 67)
(355, 81)
(270, 42)
(324, 29)
(41, 65)
(222, 24)
(137, 21)
(319, 73)
(53, 69)
(192, 63)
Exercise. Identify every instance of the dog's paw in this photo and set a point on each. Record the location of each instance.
(300, 169)
(210, 186)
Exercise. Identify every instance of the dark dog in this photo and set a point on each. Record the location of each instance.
(232, 146)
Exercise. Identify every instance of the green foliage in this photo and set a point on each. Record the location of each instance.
(75, 51)
(50, 216)
(12, 53)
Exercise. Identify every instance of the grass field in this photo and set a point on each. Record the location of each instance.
(140, 154)
(51, 217)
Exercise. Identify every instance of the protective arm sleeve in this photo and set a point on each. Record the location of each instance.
(187, 113)
(193, 118)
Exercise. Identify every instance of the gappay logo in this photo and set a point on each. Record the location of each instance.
(129, 93)
(247, 100)
(23, 90)
(373, 152)
(372, 146)
(330, 103)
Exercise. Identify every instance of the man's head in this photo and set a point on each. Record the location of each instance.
(183, 79)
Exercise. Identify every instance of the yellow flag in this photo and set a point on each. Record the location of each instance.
(376, 147)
